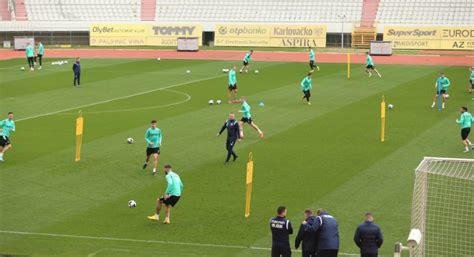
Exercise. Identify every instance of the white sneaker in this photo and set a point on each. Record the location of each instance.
(380, 75)
(39, 68)
(317, 67)
(466, 150)
(370, 75)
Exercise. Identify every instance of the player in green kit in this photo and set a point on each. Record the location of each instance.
(471, 80)
(247, 118)
(306, 85)
(246, 61)
(40, 54)
(370, 66)
(312, 59)
(153, 138)
(232, 87)
(6, 127)
(30, 56)
(465, 121)
(441, 85)
(174, 189)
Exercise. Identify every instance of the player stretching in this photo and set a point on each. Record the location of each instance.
(246, 61)
(30, 56)
(442, 84)
(369, 65)
(6, 126)
(40, 54)
(153, 138)
(233, 134)
(465, 121)
(247, 118)
(471, 80)
(312, 65)
(232, 88)
(306, 86)
(174, 189)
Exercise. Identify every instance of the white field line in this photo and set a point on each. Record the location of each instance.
(149, 241)
(119, 98)
(107, 250)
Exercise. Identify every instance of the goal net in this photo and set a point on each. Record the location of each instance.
(443, 207)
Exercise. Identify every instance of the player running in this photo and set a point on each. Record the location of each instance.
(466, 121)
(233, 134)
(6, 127)
(442, 84)
(153, 138)
(471, 80)
(312, 64)
(369, 65)
(246, 61)
(40, 54)
(232, 88)
(174, 189)
(30, 56)
(247, 118)
(306, 85)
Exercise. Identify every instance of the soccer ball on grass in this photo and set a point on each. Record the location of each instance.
(132, 204)
(390, 106)
(130, 140)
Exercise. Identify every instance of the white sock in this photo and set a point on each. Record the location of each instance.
(433, 105)
(154, 170)
(1, 155)
(443, 105)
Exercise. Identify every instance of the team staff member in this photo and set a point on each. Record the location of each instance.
(6, 127)
(328, 233)
(153, 137)
(306, 85)
(30, 56)
(281, 231)
(232, 86)
(76, 68)
(40, 55)
(312, 58)
(308, 238)
(441, 85)
(174, 189)
(233, 134)
(465, 121)
(368, 237)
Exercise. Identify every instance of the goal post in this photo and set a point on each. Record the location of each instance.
(443, 207)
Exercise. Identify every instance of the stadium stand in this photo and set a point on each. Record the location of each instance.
(369, 13)
(5, 11)
(428, 12)
(148, 9)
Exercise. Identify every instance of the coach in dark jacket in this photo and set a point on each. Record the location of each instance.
(328, 234)
(308, 238)
(368, 237)
(76, 68)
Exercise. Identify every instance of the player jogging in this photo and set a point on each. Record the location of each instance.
(246, 61)
(39, 56)
(312, 65)
(465, 121)
(232, 87)
(30, 56)
(306, 85)
(174, 189)
(6, 126)
(153, 138)
(442, 84)
(247, 118)
(471, 80)
(233, 134)
(369, 65)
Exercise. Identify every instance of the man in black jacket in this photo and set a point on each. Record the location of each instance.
(368, 237)
(233, 134)
(328, 233)
(281, 230)
(76, 68)
(308, 238)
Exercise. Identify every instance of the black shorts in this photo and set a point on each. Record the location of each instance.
(472, 83)
(172, 200)
(311, 64)
(245, 63)
(307, 92)
(370, 67)
(442, 92)
(4, 141)
(246, 120)
(150, 151)
(465, 133)
(233, 87)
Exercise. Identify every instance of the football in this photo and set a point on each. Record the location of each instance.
(23, 68)
(390, 106)
(211, 102)
(218, 101)
(256, 71)
(132, 204)
(130, 140)
(188, 71)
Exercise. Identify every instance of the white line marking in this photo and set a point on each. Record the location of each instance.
(150, 241)
(107, 249)
(119, 98)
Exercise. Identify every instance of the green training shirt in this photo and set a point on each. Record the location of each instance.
(306, 84)
(30, 51)
(153, 136)
(246, 110)
(41, 49)
(443, 83)
(311, 55)
(232, 77)
(465, 120)
(247, 57)
(174, 184)
(369, 60)
(7, 126)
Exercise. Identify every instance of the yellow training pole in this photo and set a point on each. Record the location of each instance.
(248, 192)
(348, 65)
(382, 116)
(79, 132)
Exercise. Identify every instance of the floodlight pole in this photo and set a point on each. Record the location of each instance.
(342, 16)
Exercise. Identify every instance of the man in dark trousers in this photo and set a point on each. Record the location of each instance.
(76, 68)
(368, 237)
(328, 234)
(308, 238)
(233, 134)
(281, 231)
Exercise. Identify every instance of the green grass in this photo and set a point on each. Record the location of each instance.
(325, 155)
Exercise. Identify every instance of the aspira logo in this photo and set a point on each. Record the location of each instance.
(411, 33)
(174, 30)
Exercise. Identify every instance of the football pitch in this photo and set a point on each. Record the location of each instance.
(325, 155)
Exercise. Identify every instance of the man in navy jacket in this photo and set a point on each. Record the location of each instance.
(308, 238)
(76, 68)
(368, 237)
(328, 234)
(281, 230)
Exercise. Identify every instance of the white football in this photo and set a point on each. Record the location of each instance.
(256, 71)
(211, 102)
(130, 140)
(158, 59)
(188, 71)
(218, 101)
(390, 106)
(132, 204)
(446, 95)
(225, 70)
(22, 68)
